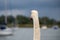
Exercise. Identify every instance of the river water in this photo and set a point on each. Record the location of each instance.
(27, 34)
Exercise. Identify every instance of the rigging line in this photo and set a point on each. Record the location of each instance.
(6, 11)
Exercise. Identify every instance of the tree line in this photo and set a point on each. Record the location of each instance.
(20, 19)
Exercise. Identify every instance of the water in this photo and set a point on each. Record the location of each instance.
(27, 34)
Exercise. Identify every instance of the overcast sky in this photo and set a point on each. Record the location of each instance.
(49, 8)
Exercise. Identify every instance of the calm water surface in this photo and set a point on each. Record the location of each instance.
(27, 34)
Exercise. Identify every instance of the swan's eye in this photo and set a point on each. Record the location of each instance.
(31, 19)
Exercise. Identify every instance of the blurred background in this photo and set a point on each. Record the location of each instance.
(16, 13)
(19, 10)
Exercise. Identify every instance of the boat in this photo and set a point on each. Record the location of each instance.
(5, 31)
(44, 27)
(55, 27)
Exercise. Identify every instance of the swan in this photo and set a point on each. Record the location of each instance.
(34, 16)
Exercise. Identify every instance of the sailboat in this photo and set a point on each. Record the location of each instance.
(44, 27)
(4, 30)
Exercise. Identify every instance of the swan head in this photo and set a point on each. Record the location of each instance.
(34, 14)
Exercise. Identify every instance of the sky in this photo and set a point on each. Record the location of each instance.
(49, 8)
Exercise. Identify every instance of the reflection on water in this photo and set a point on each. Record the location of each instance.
(27, 34)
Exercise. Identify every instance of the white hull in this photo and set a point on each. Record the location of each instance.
(7, 32)
(44, 27)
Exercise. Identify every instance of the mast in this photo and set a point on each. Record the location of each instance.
(6, 11)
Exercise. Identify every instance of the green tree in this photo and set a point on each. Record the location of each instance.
(23, 19)
(58, 23)
(2, 19)
(44, 20)
(10, 19)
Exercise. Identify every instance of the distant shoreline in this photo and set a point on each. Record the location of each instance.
(22, 25)
(26, 25)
